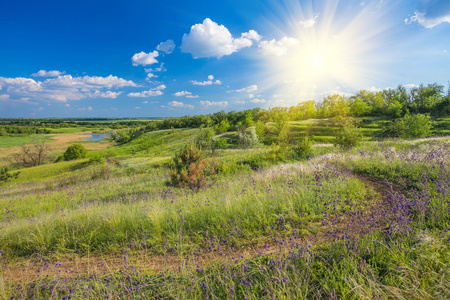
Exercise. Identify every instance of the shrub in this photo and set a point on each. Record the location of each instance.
(76, 151)
(5, 176)
(221, 143)
(348, 137)
(188, 168)
(302, 150)
(278, 153)
(416, 126)
(249, 140)
(96, 159)
(223, 126)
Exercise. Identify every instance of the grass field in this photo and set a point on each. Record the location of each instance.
(371, 222)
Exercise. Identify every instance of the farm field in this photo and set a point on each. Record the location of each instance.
(369, 222)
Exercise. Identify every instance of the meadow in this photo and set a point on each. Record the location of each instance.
(369, 222)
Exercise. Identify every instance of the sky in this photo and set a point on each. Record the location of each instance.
(140, 58)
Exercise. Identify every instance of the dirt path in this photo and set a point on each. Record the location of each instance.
(33, 269)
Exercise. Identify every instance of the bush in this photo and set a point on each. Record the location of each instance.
(249, 140)
(415, 126)
(348, 137)
(96, 159)
(303, 148)
(188, 168)
(76, 151)
(5, 176)
(221, 143)
(278, 153)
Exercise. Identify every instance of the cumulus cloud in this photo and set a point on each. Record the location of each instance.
(150, 93)
(207, 82)
(145, 59)
(180, 104)
(210, 39)
(107, 94)
(167, 46)
(43, 73)
(209, 103)
(67, 105)
(277, 48)
(431, 13)
(192, 96)
(256, 100)
(308, 23)
(63, 88)
(182, 93)
(249, 89)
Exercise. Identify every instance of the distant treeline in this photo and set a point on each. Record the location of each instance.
(12, 130)
(430, 99)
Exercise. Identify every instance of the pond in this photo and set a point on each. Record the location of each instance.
(97, 137)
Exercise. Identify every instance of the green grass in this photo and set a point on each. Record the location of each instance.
(9, 141)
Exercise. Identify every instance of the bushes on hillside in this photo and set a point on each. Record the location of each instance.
(76, 151)
(5, 175)
(249, 139)
(410, 126)
(189, 168)
(348, 137)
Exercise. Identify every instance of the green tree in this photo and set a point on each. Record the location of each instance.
(249, 140)
(223, 126)
(75, 151)
(415, 126)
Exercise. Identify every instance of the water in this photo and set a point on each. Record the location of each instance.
(97, 137)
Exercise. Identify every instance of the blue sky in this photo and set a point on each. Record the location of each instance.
(174, 58)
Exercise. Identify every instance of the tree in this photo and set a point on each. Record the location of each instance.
(249, 140)
(33, 154)
(223, 126)
(415, 126)
(76, 151)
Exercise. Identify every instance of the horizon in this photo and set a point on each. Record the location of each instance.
(155, 60)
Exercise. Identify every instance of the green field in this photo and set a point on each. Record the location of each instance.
(369, 222)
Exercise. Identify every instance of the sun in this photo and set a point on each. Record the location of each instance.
(323, 52)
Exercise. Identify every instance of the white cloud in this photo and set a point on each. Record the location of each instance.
(107, 94)
(4, 97)
(209, 103)
(249, 89)
(207, 82)
(43, 73)
(63, 88)
(192, 96)
(151, 75)
(90, 108)
(144, 102)
(411, 86)
(251, 96)
(145, 94)
(278, 48)
(167, 46)
(239, 102)
(308, 23)
(210, 39)
(251, 35)
(428, 21)
(180, 104)
(67, 105)
(256, 100)
(150, 93)
(145, 59)
(182, 93)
